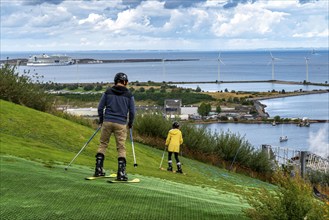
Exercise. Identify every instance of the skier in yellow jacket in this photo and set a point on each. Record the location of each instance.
(173, 141)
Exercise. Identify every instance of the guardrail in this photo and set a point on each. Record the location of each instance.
(302, 160)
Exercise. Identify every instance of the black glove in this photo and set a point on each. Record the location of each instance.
(100, 122)
(130, 125)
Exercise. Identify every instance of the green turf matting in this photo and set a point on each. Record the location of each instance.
(32, 190)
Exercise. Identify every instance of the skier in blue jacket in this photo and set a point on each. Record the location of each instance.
(116, 111)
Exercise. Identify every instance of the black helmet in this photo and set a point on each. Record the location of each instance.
(120, 77)
(175, 124)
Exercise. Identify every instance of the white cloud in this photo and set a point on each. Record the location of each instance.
(313, 26)
(84, 41)
(248, 20)
(152, 25)
(92, 19)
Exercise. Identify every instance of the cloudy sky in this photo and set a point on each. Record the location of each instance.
(34, 25)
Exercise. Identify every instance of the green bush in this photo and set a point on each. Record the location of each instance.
(73, 86)
(150, 90)
(318, 178)
(230, 144)
(153, 125)
(90, 97)
(198, 139)
(88, 87)
(201, 143)
(292, 199)
(159, 97)
(21, 89)
(98, 87)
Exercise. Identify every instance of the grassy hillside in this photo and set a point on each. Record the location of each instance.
(35, 148)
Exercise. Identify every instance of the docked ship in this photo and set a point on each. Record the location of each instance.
(46, 60)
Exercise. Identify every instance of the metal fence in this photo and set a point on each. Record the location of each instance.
(302, 160)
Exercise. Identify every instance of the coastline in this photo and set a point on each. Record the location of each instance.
(23, 61)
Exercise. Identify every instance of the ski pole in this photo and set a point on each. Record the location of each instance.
(235, 158)
(83, 147)
(132, 146)
(162, 157)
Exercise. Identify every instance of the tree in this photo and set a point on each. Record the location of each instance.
(204, 109)
(277, 118)
(150, 90)
(98, 87)
(88, 87)
(218, 108)
(73, 86)
(198, 89)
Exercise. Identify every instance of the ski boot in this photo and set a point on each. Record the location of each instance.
(169, 166)
(121, 174)
(179, 168)
(99, 171)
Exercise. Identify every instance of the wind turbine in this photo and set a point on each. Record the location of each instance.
(306, 62)
(163, 69)
(78, 74)
(272, 61)
(219, 61)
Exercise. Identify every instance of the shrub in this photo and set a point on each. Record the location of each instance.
(198, 139)
(200, 143)
(153, 125)
(150, 90)
(73, 86)
(230, 144)
(81, 97)
(318, 178)
(159, 97)
(291, 199)
(98, 87)
(88, 87)
(21, 89)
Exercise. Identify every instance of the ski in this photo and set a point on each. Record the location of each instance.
(172, 171)
(136, 180)
(113, 175)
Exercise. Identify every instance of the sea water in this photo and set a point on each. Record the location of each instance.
(314, 138)
(236, 66)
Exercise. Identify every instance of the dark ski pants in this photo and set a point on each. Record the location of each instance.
(176, 156)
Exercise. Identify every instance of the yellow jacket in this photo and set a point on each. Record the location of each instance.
(174, 140)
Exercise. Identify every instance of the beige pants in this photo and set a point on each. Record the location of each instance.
(120, 134)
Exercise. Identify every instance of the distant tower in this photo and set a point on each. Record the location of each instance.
(272, 61)
(219, 61)
(163, 69)
(306, 62)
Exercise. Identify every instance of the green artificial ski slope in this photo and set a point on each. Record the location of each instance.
(35, 147)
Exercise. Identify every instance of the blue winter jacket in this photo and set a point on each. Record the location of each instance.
(117, 101)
